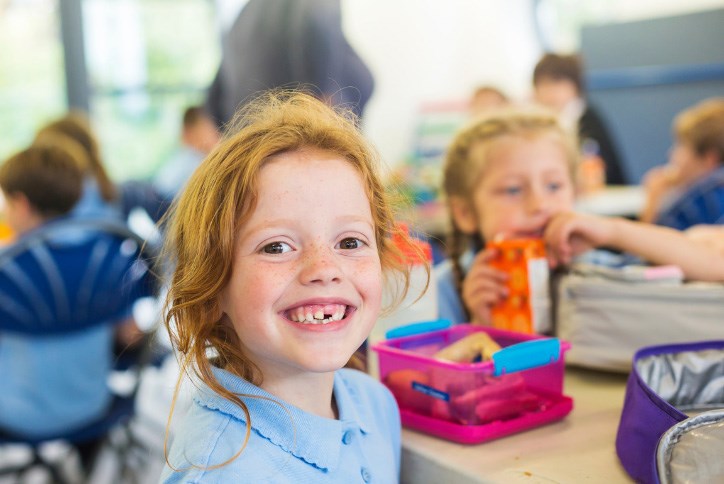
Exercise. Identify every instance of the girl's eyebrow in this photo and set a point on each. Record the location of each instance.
(289, 222)
(269, 223)
(555, 171)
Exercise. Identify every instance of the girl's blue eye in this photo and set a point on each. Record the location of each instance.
(276, 248)
(555, 186)
(350, 243)
(512, 190)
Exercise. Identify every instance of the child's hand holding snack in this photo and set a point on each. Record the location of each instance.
(483, 287)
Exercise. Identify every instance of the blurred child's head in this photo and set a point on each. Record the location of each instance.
(699, 139)
(558, 79)
(285, 217)
(76, 126)
(506, 175)
(41, 182)
(486, 98)
(198, 130)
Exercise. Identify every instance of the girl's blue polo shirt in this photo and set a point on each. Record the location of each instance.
(288, 445)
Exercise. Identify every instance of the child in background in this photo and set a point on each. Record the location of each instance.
(510, 176)
(198, 137)
(282, 285)
(689, 189)
(41, 182)
(100, 198)
(505, 176)
(559, 85)
(486, 98)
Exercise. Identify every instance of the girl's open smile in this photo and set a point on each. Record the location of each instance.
(317, 313)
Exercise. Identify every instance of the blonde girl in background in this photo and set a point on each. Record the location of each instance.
(280, 242)
(505, 176)
(510, 175)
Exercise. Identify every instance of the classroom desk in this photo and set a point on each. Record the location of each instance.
(623, 201)
(579, 448)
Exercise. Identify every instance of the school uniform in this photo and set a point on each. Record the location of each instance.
(92, 205)
(449, 303)
(287, 444)
(701, 203)
(52, 383)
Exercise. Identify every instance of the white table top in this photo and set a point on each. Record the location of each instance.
(579, 448)
(623, 201)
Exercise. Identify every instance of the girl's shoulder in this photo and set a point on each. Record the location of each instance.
(210, 445)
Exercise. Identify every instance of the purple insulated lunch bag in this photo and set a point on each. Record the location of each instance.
(669, 386)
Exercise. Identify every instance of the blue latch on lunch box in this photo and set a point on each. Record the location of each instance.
(528, 354)
(418, 328)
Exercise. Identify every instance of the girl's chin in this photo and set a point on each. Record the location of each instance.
(327, 365)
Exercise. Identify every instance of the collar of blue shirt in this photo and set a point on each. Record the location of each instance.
(290, 428)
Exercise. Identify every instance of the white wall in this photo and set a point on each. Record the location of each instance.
(422, 51)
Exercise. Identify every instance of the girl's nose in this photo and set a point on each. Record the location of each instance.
(536, 201)
(320, 266)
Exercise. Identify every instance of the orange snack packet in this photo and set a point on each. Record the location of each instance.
(527, 307)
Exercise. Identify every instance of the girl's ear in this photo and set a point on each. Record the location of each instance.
(711, 159)
(463, 215)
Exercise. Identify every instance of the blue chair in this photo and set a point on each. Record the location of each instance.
(69, 279)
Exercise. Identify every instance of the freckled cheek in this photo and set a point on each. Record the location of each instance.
(368, 279)
(261, 280)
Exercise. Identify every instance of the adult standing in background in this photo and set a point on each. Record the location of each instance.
(558, 84)
(287, 43)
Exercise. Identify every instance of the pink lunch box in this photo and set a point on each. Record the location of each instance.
(471, 403)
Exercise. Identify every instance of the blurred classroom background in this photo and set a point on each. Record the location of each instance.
(136, 66)
(135, 71)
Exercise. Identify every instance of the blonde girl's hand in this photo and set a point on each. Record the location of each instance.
(569, 234)
(483, 287)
